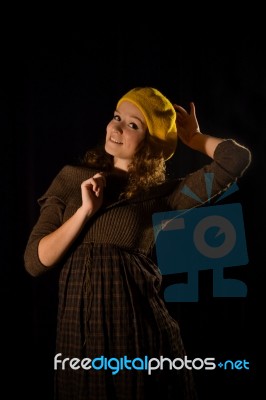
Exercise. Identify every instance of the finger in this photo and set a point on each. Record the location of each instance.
(90, 184)
(179, 109)
(192, 109)
(101, 177)
(96, 187)
(98, 184)
(179, 117)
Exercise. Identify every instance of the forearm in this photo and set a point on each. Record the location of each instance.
(53, 246)
(230, 162)
(204, 143)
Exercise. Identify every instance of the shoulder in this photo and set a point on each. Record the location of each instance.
(74, 174)
(66, 184)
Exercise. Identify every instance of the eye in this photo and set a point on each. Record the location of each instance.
(116, 117)
(133, 126)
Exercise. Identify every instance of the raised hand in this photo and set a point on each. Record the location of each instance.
(92, 193)
(187, 124)
(190, 134)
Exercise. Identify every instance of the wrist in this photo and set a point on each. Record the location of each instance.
(205, 144)
(197, 141)
(84, 213)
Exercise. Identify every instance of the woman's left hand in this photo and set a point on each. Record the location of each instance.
(187, 124)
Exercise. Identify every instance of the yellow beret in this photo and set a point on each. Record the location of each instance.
(159, 114)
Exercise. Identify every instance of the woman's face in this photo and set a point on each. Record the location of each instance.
(124, 134)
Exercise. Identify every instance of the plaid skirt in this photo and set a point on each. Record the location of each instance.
(111, 322)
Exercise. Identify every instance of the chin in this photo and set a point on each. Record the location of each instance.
(108, 150)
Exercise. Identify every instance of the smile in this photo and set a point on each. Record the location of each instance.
(115, 141)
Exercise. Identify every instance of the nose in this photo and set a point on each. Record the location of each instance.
(117, 129)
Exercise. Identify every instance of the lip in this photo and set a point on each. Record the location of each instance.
(113, 140)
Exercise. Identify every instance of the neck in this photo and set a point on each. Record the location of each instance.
(121, 165)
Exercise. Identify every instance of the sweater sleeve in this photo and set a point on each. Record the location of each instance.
(51, 216)
(52, 207)
(230, 162)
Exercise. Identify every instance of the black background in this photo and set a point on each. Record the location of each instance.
(59, 87)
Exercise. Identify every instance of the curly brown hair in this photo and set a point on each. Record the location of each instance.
(146, 170)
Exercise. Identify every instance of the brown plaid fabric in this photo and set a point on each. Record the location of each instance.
(111, 308)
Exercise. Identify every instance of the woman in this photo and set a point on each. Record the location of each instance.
(96, 225)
